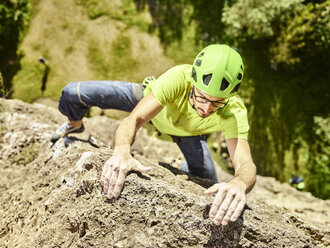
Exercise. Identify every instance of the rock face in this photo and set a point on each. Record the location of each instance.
(51, 197)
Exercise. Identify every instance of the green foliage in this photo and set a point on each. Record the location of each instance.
(169, 18)
(257, 19)
(184, 51)
(285, 45)
(208, 17)
(319, 160)
(306, 34)
(14, 17)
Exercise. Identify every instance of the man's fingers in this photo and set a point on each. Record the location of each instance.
(238, 210)
(230, 211)
(228, 203)
(114, 173)
(104, 172)
(218, 199)
(106, 178)
(112, 182)
(212, 190)
(228, 198)
(119, 184)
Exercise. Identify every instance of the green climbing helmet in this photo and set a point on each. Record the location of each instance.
(218, 71)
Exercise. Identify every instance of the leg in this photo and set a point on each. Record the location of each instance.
(198, 157)
(78, 97)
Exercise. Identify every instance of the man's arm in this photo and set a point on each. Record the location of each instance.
(245, 169)
(121, 162)
(230, 198)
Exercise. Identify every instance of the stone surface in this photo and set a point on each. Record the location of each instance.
(50, 195)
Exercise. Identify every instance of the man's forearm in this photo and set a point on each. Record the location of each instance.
(246, 173)
(125, 134)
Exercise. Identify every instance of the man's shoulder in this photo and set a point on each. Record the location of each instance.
(184, 68)
(177, 75)
(234, 107)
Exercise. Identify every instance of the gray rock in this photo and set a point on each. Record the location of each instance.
(53, 198)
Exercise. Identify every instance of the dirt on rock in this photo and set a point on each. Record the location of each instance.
(51, 197)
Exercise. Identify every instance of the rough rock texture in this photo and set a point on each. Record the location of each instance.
(50, 195)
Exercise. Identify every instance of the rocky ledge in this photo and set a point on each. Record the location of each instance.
(51, 196)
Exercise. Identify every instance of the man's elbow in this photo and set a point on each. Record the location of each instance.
(135, 120)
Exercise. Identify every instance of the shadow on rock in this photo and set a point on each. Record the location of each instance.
(68, 140)
(205, 183)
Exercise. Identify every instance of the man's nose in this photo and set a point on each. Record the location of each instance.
(206, 108)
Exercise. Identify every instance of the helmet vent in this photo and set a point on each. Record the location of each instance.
(198, 62)
(239, 77)
(236, 88)
(242, 67)
(207, 78)
(201, 55)
(224, 84)
(193, 74)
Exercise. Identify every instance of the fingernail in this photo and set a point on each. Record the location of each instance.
(216, 222)
(224, 223)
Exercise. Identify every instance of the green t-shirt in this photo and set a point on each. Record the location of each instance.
(179, 118)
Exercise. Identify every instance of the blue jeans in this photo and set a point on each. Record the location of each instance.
(78, 97)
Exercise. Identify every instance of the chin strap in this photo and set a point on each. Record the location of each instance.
(191, 96)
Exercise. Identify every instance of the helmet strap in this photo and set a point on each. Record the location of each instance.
(191, 94)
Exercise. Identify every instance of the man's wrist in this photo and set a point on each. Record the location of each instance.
(122, 149)
(239, 181)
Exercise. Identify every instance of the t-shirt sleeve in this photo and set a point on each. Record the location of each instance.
(236, 122)
(169, 85)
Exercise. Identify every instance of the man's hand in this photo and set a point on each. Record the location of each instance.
(115, 171)
(228, 202)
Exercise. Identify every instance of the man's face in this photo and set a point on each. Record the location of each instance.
(204, 104)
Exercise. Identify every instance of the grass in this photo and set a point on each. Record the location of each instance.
(126, 12)
(122, 61)
(115, 63)
(28, 81)
(97, 59)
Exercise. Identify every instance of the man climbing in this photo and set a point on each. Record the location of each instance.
(186, 102)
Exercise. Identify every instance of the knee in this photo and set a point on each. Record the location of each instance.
(67, 96)
(70, 89)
